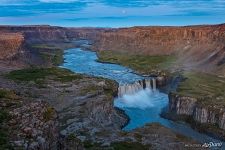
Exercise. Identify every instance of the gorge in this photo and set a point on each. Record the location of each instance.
(137, 95)
(142, 60)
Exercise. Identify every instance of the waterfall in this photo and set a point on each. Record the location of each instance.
(130, 89)
(154, 84)
(148, 83)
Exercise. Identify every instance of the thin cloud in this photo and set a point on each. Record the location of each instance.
(58, 1)
(102, 10)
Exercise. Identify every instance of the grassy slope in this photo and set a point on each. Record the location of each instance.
(209, 89)
(140, 63)
(50, 53)
(38, 75)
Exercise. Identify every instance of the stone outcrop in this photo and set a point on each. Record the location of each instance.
(10, 45)
(36, 127)
(182, 105)
(46, 33)
(26, 124)
(210, 116)
(188, 106)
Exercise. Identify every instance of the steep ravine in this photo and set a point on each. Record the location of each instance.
(201, 97)
(199, 47)
(209, 119)
(76, 59)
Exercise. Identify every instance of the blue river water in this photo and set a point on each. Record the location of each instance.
(143, 106)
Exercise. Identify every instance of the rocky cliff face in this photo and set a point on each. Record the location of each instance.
(182, 105)
(201, 47)
(37, 127)
(10, 45)
(45, 34)
(198, 47)
(86, 117)
(26, 124)
(209, 115)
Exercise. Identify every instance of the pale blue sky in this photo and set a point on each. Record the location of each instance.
(114, 13)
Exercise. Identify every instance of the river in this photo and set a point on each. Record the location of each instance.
(141, 105)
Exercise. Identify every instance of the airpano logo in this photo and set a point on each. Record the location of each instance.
(212, 144)
(206, 145)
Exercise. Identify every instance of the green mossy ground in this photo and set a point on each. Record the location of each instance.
(50, 53)
(38, 75)
(49, 113)
(158, 65)
(5, 96)
(208, 89)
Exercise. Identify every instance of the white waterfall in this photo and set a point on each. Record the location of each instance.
(130, 89)
(148, 83)
(154, 84)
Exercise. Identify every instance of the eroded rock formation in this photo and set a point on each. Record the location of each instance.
(10, 45)
(37, 127)
(206, 115)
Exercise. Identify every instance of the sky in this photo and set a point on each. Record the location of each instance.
(111, 13)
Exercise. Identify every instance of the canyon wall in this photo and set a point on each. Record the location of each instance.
(17, 43)
(46, 33)
(212, 116)
(10, 45)
(198, 47)
(201, 47)
(37, 33)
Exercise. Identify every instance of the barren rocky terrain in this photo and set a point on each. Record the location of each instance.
(59, 109)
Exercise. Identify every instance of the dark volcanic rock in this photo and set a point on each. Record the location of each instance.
(210, 119)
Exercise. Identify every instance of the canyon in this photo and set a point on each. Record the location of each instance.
(196, 48)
